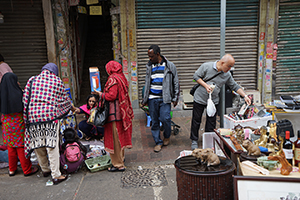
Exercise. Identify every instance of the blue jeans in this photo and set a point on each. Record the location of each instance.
(90, 130)
(160, 111)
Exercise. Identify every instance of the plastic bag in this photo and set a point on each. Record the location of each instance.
(211, 108)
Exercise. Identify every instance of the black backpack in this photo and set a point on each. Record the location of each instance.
(284, 125)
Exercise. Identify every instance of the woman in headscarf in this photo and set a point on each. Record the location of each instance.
(13, 127)
(118, 129)
(45, 102)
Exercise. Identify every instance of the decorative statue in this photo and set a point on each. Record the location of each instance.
(262, 141)
(239, 133)
(210, 157)
(272, 131)
(198, 154)
(270, 147)
(252, 149)
(281, 139)
(286, 167)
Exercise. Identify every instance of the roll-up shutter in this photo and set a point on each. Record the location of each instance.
(188, 33)
(22, 37)
(288, 55)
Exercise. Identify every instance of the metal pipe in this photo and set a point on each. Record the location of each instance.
(222, 53)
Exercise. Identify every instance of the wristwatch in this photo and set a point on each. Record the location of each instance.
(245, 96)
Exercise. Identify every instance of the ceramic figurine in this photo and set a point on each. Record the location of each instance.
(251, 148)
(197, 153)
(210, 157)
(270, 147)
(262, 141)
(248, 133)
(239, 133)
(268, 164)
(272, 131)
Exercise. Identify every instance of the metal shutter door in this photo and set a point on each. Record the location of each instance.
(22, 37)
(288, 55)
(188, 33)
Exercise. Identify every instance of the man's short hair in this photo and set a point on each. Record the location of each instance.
(1, 58)
(155, 48)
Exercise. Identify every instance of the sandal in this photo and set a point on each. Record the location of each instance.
(34, 170)
(115, 169)
(87, 138)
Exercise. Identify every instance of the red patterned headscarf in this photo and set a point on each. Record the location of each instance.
(116, 76)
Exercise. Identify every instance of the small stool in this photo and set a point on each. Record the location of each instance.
(148, 120)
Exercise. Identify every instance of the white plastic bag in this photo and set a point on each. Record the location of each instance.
(211, 108)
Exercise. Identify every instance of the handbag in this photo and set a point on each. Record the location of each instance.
(102, 112)
(192, 91)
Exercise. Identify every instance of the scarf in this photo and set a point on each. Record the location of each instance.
(48, 101)
(51, 67)
(10, 94)
(116, 76)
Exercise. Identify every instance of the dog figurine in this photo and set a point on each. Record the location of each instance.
(252, 149)
(210, 157)
(197, 153)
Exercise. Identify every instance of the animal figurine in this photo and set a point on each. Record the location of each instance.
(197, 153)
(286, 167)
(262, 141)
(210, 157)
(252, 149)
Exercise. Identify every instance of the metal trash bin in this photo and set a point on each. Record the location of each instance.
(210, 184)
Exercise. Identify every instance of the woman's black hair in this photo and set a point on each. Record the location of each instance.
(87, 99)
(70, 136)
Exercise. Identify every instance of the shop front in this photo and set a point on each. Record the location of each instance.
(22, 37)
(188, 33)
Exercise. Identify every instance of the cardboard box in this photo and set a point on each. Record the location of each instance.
(95, 79)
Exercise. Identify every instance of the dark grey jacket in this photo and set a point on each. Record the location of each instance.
(170, 86)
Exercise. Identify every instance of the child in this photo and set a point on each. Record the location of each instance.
(88, 129)
(73, 153)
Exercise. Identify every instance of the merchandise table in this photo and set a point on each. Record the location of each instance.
(230, 149)
(252, 185)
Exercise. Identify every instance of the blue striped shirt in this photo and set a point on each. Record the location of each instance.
(157, 77)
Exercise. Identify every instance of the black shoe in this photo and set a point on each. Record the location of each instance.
(12, 174)
(34, 170)
(115, 169)
(57, 181)
(46, 174)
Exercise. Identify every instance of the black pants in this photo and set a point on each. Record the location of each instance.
(210, 124)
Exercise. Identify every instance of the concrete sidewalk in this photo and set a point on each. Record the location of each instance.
(156, 180)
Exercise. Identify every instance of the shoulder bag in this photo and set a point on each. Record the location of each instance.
(192, 91)
(102, 112)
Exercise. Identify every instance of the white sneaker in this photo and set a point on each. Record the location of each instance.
(194, 144)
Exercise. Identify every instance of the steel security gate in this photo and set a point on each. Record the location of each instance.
(22, 37)
(188, 33)
(288, 55)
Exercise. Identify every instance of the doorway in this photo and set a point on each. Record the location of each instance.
(98, 49)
